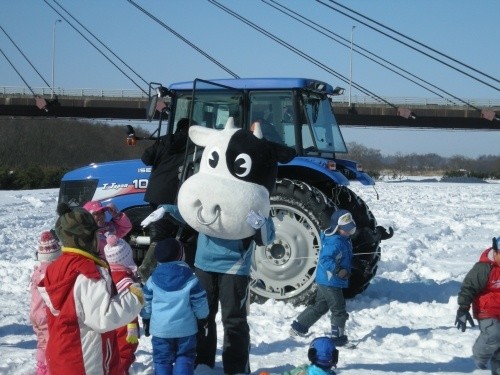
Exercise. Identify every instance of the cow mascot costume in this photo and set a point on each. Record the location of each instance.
(227, 203)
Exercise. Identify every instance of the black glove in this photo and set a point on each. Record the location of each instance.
(463, 316)
(203, 327)
(384, 234)
(145, 325)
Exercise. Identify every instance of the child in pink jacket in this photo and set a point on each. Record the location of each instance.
(119, 224)
(48, 250)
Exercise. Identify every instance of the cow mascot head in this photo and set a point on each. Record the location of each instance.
(237, 174)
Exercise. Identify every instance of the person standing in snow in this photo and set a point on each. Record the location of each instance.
(332, 276)
(481, 289)
(83, 306)
(124, 274)
(165, 157)
(48, 251)
(119, 224)
(323, 356)
(175, 307)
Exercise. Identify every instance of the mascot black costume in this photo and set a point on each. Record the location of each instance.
(227, 203)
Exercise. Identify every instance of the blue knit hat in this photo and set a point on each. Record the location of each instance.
(169, 250)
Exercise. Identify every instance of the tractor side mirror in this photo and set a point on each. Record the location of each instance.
(151, 109)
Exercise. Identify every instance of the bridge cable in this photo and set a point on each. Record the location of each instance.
(408, 45)
(102, 43)
(369, 52)
(417, 42)
(234, 75)
(19, 74)
(21, 52)
(93, 45)
(298, 17)
(301, 53)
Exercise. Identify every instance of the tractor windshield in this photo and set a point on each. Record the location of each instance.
(320, 131)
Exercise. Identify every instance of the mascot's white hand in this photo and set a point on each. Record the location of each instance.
(153, 216)
(256, 220)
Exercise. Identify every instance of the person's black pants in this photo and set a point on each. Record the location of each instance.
(232, 292)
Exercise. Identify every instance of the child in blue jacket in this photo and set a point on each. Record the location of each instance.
(175, 305)
(332, 275)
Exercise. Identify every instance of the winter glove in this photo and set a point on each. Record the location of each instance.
(132, 333)
(113, 211)
(136, 290)
(343, 273)
(145, 325)
(256, 220)
(153, 216)
(463, 316)
(203, 327)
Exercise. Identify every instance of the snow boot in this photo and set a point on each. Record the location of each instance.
(338, 336)
(298, 329)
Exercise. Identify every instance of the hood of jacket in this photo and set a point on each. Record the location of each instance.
(487, 256)
(172, 276)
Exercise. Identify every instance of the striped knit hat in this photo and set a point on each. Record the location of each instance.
(118, 251)
(48, 247)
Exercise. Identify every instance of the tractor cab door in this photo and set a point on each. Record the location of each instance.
(208, 104)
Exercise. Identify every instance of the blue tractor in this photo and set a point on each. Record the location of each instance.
(296, 112)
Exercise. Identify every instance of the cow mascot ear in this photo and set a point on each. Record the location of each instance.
(237, 173)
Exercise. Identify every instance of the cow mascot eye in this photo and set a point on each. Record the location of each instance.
(242, 165)
(214, 157)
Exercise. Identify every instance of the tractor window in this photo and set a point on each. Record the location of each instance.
(321, 133)
(273, 109)
(211, 109)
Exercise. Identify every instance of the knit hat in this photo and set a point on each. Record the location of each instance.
(323, 353)
(76, 228)
(341, 219)
(48, 247)
(169, 250)
(94, 206)
(118, 251)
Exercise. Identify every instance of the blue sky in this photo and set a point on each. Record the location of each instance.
(466, 30)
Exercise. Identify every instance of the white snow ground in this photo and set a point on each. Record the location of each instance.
(403, 323)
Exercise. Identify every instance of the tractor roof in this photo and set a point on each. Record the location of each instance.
(260, 84)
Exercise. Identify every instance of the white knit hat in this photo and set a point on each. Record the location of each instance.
(118, 251)
(48, 247)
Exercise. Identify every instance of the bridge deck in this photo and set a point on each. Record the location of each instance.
(365, 111)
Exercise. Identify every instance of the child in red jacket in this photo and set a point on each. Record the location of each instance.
(48, 251)
(124, 273)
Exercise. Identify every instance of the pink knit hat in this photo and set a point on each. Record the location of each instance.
(94, 206)
(118, 251)
(48, 247)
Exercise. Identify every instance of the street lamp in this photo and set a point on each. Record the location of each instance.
(53, 54)
(350, 68)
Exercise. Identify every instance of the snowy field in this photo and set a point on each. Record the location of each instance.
(403, 323)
